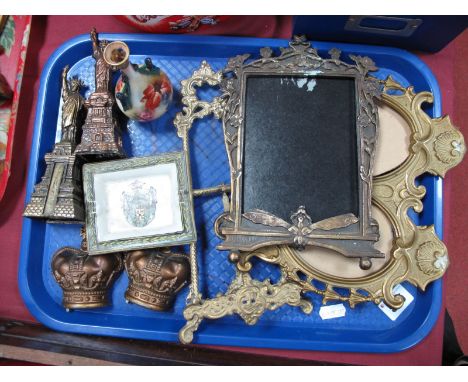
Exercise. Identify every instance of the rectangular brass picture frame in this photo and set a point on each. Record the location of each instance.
(138, 203)
(351, 232)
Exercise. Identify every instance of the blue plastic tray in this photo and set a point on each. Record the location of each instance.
(364, 329)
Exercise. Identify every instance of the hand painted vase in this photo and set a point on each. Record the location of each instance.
(143, 92)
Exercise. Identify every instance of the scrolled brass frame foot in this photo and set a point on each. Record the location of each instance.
(246, 297)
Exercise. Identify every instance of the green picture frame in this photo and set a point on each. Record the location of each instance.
(138, 203)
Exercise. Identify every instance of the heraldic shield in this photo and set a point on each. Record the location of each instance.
(139, 203)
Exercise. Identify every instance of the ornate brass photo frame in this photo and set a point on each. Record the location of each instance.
(417, 255)
(138, 203)
(292, 160)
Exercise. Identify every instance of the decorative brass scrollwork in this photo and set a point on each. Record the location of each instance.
(246, 297)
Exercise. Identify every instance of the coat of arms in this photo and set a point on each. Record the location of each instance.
(139, 203)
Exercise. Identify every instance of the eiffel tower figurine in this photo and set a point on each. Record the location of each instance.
(59, 196)
(101, 134)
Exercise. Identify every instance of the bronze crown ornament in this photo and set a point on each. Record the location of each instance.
(84, 279)
(155, 277)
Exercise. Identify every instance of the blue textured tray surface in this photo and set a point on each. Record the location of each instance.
(364, 328)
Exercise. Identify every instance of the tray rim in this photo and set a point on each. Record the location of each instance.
(208, 338)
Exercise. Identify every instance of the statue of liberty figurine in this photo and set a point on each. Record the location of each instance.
(72, 105)
(101, 132)
(59, 195)
(102, 69)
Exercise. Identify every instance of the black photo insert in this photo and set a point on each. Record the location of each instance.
(300, 146)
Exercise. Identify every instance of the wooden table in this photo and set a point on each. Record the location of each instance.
(35, 343)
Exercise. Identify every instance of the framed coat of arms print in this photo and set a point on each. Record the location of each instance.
(138, 203)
